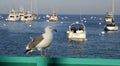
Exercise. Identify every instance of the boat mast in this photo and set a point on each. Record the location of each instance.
(53, 10)
(113, 8)
(35, 6)
(31, 6)
(80, 15)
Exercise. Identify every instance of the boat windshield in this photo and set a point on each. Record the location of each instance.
(77, 27)
(111, 24)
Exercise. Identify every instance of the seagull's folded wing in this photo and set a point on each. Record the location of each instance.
(35, 41)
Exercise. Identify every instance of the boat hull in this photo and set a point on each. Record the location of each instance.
(53, 21)
(111, 28)
(78, 36)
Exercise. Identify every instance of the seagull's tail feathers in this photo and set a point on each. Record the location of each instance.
(28, 51)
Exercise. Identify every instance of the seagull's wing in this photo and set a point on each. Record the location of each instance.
(34, 42)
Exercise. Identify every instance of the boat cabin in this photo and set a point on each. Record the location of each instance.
(77, 32)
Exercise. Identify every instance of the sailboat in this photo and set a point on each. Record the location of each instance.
(109, 19)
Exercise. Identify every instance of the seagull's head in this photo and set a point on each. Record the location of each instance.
(50, 29)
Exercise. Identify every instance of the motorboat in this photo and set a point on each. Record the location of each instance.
(27, 17)
(77, 32)
(53, 18)
(13, 16)
(21, 15)
(111, 27)
(21, 12)
(109, 17)
(110, 24)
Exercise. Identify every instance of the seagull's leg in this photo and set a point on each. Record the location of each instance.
(41, 52)
(45, 52)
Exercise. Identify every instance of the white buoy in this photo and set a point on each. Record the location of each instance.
(77, 22)
(47, 20)
(4, 25)
(61, 22)
(62, 18)
(85, 21)
(102, 33)
(66, 17)
(48, 16)
(43, 16)
(84, 18)
(91, 17)
(39, 17)
(30, 25)
(100, 18)
(100, 23)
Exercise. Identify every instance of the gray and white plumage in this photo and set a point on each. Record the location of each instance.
(41, 42)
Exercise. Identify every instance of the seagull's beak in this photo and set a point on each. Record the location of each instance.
(55, 30)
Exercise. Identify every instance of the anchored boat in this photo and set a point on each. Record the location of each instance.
(21, 15)
(53, 18)
(77, 32)
(109, 19)
(28, 17)
(13, 16)
(111, 27)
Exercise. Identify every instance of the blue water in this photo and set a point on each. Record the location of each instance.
(14, 37)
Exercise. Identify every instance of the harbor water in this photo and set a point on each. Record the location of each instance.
(14, 37)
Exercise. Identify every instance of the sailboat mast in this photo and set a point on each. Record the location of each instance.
(31, 6)
(113, 8)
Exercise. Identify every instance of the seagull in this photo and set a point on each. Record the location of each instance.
(42, 42)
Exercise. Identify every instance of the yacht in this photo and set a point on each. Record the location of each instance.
(21, 12)
(28, 17)
(53, 18)
(13, 16)
(111, 27)
(77, 32)
(109, 19)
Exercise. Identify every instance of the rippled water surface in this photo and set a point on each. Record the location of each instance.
(14, 37)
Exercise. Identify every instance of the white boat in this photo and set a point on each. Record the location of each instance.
(109, 17)
(28, 17)
(111, 27)
(77, 32)
(53, 18)
(13, 16)
(21, 15)
(21, 12)
(110, 24)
